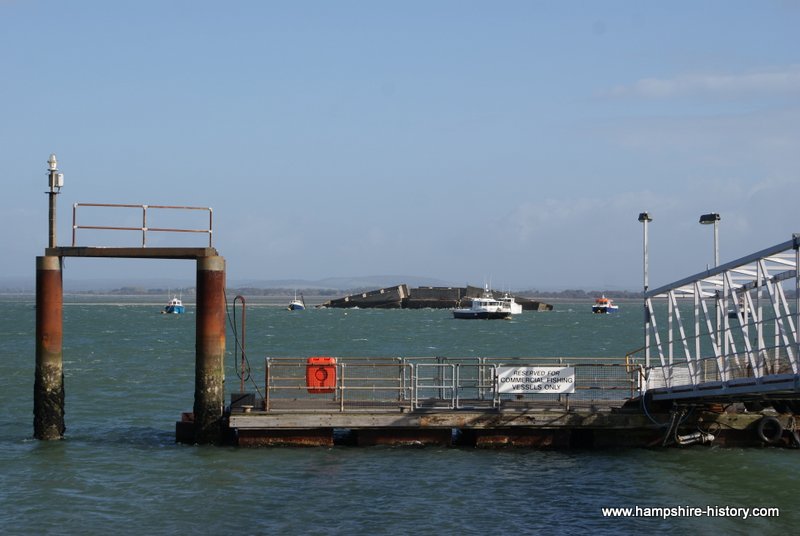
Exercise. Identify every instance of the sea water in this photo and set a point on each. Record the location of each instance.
(129, 373)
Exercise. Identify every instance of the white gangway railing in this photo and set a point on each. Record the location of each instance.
(730, 330)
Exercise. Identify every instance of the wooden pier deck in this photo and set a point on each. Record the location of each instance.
(523, 424)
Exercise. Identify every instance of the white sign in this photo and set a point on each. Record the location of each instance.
(536, 379)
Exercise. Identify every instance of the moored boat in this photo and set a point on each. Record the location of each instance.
(297, 305)
(508, 302)
(174, 307)
(603, 305)
(485, 307)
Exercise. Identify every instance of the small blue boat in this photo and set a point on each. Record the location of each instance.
(174, 307)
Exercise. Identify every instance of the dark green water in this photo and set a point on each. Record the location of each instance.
(129, 372)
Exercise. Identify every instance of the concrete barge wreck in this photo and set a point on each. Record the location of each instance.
(401, 297)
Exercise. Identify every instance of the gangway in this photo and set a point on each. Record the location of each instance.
(728, 333)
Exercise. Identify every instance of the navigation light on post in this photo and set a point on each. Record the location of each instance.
(55, 179)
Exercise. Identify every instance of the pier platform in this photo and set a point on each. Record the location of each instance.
(445, 402)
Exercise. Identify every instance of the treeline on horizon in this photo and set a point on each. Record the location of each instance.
(286, 292)
(568, 294)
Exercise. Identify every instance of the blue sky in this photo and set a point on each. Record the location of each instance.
(458, 140)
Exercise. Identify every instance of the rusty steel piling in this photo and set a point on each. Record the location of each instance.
(48, 387)
(209, 396)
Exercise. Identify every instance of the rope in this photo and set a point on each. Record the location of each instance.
(243, 375)
(647, 413)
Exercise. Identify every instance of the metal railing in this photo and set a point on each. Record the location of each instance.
(144, 229)
(773, 363)
(412, 383)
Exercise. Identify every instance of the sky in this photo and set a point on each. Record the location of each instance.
(466, 141)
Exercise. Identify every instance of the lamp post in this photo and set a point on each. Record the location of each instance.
(709, 219)
(55, 182)
(645, 218)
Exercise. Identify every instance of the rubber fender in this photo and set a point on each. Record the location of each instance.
(769, 430)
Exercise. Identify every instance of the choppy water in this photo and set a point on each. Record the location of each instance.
(129, 372)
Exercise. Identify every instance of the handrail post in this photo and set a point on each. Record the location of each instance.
(144, 226)
(457, 384)
(267, 365)
(495, 387)
(414, 386)
(210, 225)
(340, 366)
(74, 221)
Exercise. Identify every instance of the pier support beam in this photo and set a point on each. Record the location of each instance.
(209, 396)
(48, 386)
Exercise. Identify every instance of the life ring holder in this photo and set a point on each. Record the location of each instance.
(769, 430)
(321, 375)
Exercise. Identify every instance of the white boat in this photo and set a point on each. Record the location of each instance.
(508, 302)
(174, 307)
(297, 305)
(604, 305)
(485, 307)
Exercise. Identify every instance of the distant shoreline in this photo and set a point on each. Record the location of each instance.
(280, 299)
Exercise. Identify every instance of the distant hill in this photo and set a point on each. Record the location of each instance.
(17, 284)
(143, 286)
(24, 285)
(581, 295)
(327, 286)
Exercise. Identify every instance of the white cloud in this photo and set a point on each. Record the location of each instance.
(530, 221)
(532, 218)
(759, 143)
(768, 82)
